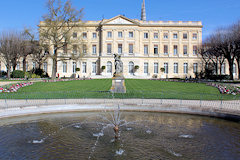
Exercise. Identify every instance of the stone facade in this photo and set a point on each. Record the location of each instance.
(150, 45)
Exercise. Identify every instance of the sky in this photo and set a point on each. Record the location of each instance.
(17, 14)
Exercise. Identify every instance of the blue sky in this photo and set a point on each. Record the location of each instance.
(17, 14)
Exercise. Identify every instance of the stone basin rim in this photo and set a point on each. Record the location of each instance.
(232, 115)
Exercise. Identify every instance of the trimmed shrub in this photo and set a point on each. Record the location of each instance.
(17, 74)
(3, 73)
(35, 76)
(136, 67)
(38, 72)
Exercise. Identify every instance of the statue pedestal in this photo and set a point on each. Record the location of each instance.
(118, 85)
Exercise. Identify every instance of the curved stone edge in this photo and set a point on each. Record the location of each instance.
(164, 108)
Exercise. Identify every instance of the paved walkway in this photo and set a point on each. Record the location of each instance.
(23, 107)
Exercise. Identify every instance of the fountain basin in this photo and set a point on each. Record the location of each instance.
(144, 135)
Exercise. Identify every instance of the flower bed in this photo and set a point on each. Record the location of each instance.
(225, 89)
(15, 87)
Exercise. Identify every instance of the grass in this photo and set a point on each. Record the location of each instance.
(135, 89)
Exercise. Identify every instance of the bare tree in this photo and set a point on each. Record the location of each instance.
(222, 44)
(236, 32)
(37, 50)
(10, 45)
(56, 28)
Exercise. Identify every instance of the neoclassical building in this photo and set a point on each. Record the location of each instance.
(148, 48)
(162, 49)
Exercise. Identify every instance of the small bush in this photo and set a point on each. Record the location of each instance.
(35, 76)
(136, 67)
(3, 73)
(77, 69)
(17, 74)
(28, 74)
(103, 67)
(162, 69)
(39, 72)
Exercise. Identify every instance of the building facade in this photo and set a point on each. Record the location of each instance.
(162, 49)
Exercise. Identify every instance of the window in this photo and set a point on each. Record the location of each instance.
(109, 67)
(130, 34)
(175, 68)
(185, 68)
(34, 65)
(194, 36)
(145, 49)
(175, 49)
(26, 66)
(94, 49)
(84, 48)
(175, 35)
(109, 34)
(74, 35)
(195, 67)
(185, 48)
(155, 49)
(131, 67)
(84, 35)
(18, 66)
(155, 35)
(74, 67)
(74, 49)
(94, 67)
(165, 35)
(194, 50)
(146, 68)
(119, 48)
(166, 68)
(184, 35)
(84, 67)
(45, 67)
(156, 68)
(120, 35)
(94, 35)
(223, 68)
(64, 67)
(165, 49)
(109, 48)
(130, 48)
(234, 69)
(146, 35)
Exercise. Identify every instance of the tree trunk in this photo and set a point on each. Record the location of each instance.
(230, 62)
(24, 64)
(14, 66)
(8, 71)
(54, 66)
(238, 62)
(39, 65)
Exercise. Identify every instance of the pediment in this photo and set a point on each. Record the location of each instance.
(121, 20)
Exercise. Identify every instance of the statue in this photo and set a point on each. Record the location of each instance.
(118, 82)
(118, 65)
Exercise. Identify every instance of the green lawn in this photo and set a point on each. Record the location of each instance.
(135, 89)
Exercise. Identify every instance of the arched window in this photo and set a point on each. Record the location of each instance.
(109, 67)
(131, 67)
